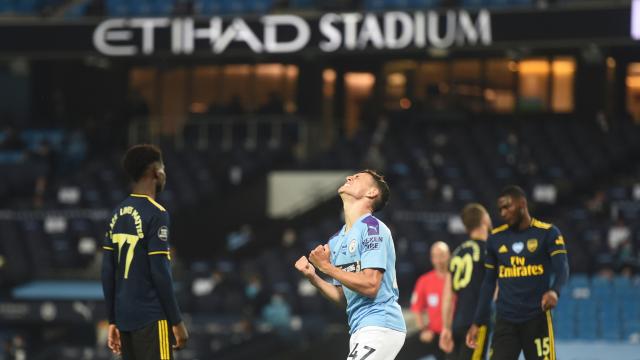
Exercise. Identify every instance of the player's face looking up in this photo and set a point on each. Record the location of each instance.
(359, 185)
(511, 209)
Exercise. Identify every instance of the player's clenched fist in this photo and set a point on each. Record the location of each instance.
(304, 266)
(319, 257)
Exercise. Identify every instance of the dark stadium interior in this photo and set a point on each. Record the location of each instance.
(446, 128)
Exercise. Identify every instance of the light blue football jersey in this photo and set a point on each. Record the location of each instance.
(369, 245)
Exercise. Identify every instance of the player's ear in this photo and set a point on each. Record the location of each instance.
(157, 169)
(523, 202)
(488, 222)
(373, 192)
(153, 171)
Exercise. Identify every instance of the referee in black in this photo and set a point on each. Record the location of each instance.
(144, 318)
(521, 255)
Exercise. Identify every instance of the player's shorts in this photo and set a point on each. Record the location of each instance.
(533, 337)
(149, 343)
(462, 352)
(375, 343)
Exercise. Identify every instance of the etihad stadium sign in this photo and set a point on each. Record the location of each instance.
(281, 34)
(329, 34)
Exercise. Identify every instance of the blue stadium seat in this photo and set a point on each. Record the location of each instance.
(611, 331)
(303, 4)
(25, 7)
(162, 7)
(566, 312)
(587, 330)
(610, 320)
(473, 3)
(33, 138)
(498, 3)
(213, 7)
(76, 11)
(6, 6)
(630, 308)
(624, 292)
(117, 8)
(374, 5)
(521, 2)
(630, 328)
(565, 329)
(397, 4)
(586, 308)
(259, 6)
(11, 157)
(622, 282)
(564, 318)
(235, 7)
(601, 288)
(202, 7)
(139, 8)
(579, 280)
(424, 4)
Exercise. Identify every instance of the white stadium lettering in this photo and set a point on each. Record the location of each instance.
(348, 31)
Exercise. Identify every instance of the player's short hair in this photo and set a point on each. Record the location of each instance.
(513, 191)
(383, 187)
(472, 215)
(138, 158)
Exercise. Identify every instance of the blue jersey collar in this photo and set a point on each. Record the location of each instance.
(344, 227)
